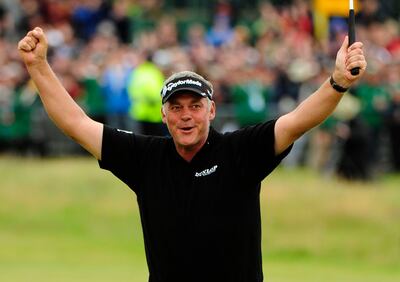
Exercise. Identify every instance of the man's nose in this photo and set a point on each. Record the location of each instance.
(186, 114)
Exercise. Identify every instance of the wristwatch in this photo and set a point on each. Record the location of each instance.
(337, 87)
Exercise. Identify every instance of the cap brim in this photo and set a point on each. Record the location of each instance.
(184, 89)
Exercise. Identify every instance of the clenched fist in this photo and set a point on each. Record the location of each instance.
(349, 57)
(33, 47)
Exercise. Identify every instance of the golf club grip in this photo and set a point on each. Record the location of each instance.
(352, 36)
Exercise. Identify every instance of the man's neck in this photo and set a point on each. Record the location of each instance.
(188, 152)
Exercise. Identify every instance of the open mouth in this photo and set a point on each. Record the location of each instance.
(186, 128)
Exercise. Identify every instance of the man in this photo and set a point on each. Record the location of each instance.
(198, 192)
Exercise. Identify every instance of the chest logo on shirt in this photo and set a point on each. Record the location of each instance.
(206, 172)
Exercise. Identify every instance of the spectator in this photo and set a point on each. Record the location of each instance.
(114, 84)
(87, 15)
(393, 86)
(221, 31)
(144, 86)
(375, 103)
(119, 16)
(370, 11)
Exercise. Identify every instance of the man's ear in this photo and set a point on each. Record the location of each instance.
(212, 111)
(163, 116)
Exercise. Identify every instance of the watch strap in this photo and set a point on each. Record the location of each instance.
(336, 86)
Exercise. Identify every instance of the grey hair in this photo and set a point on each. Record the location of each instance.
(191, 74)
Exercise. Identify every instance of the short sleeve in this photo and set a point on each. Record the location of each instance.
(119, 154)
(254, 147)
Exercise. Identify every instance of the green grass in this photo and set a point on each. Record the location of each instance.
(68, 220)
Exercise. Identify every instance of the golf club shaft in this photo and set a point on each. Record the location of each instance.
(352, 32)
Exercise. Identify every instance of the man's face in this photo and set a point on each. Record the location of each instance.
(188, 118)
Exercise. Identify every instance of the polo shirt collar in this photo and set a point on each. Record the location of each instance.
(212, 139)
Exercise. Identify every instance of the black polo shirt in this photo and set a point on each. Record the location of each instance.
(200, 219)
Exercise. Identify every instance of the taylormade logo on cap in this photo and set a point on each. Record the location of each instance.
(193, 84)
(172, 85)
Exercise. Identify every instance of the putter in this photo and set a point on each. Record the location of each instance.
(352, 32)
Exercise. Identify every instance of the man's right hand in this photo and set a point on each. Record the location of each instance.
(33, 47)
(61, 108)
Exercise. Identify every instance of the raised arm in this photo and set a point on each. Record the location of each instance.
(60, 107)
(317, 107)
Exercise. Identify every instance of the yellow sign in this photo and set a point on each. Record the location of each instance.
(334, 7)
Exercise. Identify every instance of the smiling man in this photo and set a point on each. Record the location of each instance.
(188, 116)
(198, 190)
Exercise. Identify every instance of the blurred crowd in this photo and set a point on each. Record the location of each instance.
(112, 57)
